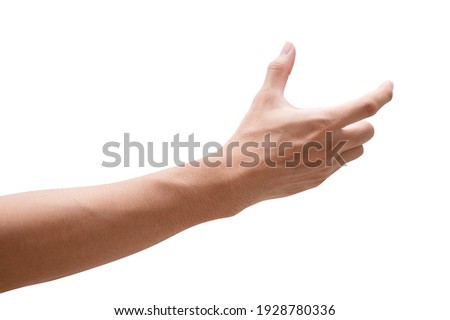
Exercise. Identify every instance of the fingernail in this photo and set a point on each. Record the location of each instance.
(287, 48)
(388, 83)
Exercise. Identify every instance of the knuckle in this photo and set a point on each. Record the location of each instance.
(317, 183)
(370, 130)
(367, 129)
(265, 96)
(370, 106)
(322, 123)
(276, 66)
(359, 151)
(324, 173)
(389, 94)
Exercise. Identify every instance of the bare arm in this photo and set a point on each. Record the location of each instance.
(49, 234)
(53, 233)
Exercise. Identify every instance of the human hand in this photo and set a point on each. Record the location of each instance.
(279, 150)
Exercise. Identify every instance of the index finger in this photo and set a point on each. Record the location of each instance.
(363, 107)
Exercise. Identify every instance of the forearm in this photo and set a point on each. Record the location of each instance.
(53, 233)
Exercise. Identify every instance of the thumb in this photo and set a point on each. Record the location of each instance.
(279, 69)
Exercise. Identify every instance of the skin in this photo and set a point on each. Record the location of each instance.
(45, 235)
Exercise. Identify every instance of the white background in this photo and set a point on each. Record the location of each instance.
(373, 240)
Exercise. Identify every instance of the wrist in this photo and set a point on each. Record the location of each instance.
(223, 187)
(207, 192)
